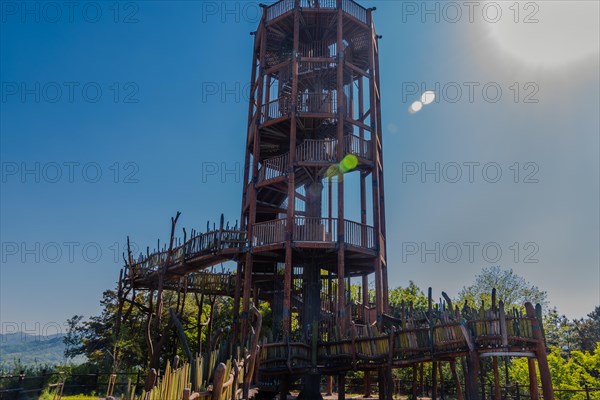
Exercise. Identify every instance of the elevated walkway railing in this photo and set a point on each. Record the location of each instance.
(418, 336)
(205, 243)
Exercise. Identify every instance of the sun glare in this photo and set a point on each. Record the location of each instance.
(547, 33)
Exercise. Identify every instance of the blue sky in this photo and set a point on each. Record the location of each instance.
(120, 109)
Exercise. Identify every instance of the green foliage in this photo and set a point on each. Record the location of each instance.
(587, 331)
(558, 330)
(574, 372)
(511, 288)
(72, 338)
(411, 296)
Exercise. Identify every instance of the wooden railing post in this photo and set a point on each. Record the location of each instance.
(587, 392)
(218, 381)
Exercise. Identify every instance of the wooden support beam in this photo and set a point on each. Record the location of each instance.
(534, 392)
(457, 384)
(415, 381)
(545, 377)
(472, 366)
(434, 387)
(341, 301)
(342, 387)
(497, 394)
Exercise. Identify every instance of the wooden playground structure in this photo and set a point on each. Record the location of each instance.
(314, 100)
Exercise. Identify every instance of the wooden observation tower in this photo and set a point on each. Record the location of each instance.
(315, 99)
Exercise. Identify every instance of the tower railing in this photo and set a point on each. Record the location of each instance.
(355, 9)
(358, 146)
(314, 151)
(277, 108)
(282, 7)
(307, 229)
(358, 234)
(308, 103)
(317, 103)
(318, 48)
(278, 9)
(311, 229)
(269, 232)
(273, 168)
(317, 151)
(306, 67)
(332, 4)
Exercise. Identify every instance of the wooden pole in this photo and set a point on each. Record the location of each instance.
(342, 387)
(459, 392)
(218, 381)
(367, 384)
(542, 359)
(441, 373)
(433, 380)
(415, 381)
(497, 395)
(341, 272)
(249, 261)
(534, 392)
(422, 379)
(472, 370)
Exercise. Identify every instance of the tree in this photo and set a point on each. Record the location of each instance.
(587, 331)
(511, 288)
(558, 330)
(572, 373)
(411, 296)
(72, 338)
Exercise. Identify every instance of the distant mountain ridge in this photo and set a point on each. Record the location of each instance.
(28, 350)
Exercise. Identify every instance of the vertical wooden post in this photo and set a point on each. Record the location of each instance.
(459, 392)
(482, 381)
(422, 378)
(342, 387)
(291, 211)
(150, 380)
(341, 272)
(218, 381)
(534, 393)
(587, 392)
(543, 367)
(376, 184)
(253, 117)
(441, 373)
(433, 380)
(414, 381)
(497, 395)
(248, 265)
(472, 366)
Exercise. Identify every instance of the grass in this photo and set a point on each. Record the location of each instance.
(47, 396)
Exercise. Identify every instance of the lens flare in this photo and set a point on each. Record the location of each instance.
(348, 163)
(428, 97)
(415, 107)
